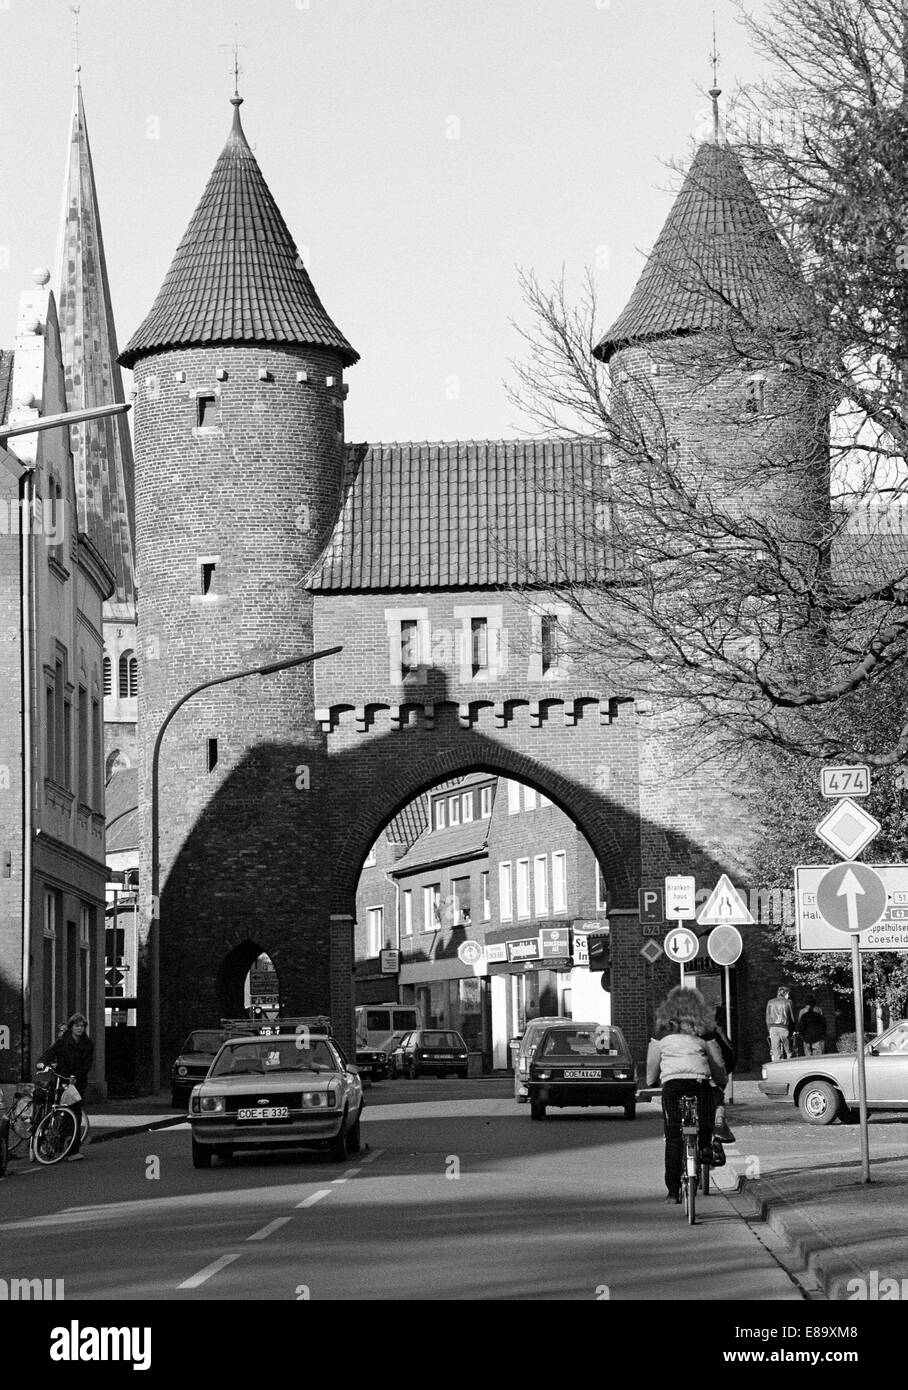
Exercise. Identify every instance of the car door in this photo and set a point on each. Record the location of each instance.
(886, 1067)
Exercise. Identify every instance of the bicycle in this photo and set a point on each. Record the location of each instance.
(53, 1127)
(696, 1167)
(23, 1115)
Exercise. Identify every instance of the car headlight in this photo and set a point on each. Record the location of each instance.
(622, 1075)
(311, 1100)
(331, 1097)
(182, 1071)
(209, 1105)
(543, 1075)
(763, 1073)
(464, 1057)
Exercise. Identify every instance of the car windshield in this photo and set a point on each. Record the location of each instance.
(896, 1040)
(264, 1057)
(441, 1042)
(203, 1040)
(583, 1042)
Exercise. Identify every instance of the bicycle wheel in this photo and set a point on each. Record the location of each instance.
(691, 1203)
(20, 1122)
(55, 1135)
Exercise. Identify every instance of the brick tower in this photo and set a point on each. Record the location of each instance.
(239, 446)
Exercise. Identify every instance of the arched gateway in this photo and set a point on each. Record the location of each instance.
(261, 536)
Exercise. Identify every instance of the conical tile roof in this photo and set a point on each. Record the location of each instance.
(718, 263)
(237, 276)
(101, 449)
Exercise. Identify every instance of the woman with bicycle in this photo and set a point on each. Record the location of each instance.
(684, 1064)
(72, 1055)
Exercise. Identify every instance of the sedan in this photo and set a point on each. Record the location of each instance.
(826, 1088)
(292, 1090)
(430, 1052)
(582, 1064)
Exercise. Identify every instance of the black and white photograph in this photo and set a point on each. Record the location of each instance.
(453, 673)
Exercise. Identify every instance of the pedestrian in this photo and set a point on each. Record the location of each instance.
(680, 1058)
(812, 1027)
(780, 1021)
(71, 1055)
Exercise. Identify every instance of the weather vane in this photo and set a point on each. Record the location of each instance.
(234, 48)
(74, 11)
(715, 90)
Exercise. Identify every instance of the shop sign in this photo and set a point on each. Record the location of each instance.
(496, 953)
(525, 949)
(554, 943)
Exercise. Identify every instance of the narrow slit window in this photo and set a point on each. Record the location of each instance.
(479, 643)
(409, 647)
(108, 676)
(212, 754)
(755, 396)
(551, 645)
(206, 570)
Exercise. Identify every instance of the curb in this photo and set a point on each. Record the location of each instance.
(105, 1136)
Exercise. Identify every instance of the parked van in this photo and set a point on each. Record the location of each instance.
(375, 1023)
(524, 1048)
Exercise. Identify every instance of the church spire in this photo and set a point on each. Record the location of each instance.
(102, 449)
(715, 90)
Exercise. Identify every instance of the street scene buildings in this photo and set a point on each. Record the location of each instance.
(300, 727)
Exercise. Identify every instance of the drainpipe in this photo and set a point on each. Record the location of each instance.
(396, 882)
(26, 497)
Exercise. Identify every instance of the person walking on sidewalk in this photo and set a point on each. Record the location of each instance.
(72, 1055)
(812, 1027)
(685, 1064)
(780, 1020)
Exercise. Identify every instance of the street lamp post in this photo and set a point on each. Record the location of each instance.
(154, 931)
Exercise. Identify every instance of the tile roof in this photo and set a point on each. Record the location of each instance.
(101, 449)
(717, 261)
(441, 846)
(121, 808)
(467, 514)
(237, 276)
(409, 823)
(6, 382)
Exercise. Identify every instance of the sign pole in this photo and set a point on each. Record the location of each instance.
(862, 1073)
(730, 1092)
(681, 963)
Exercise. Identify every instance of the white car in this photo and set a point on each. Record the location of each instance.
(293, 1090)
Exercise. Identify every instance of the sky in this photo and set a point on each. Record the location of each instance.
(421, 152)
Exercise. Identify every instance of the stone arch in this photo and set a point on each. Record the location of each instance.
(588, 810)
(232, 974)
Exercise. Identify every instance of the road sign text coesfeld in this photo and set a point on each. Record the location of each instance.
(815, 934)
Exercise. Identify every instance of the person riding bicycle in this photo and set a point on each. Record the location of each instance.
(72, 1054)
(685, 1064)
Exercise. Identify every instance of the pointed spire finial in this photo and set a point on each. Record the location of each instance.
(715, 90)
(77, 66)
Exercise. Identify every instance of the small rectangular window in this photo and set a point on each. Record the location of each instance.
(541, 884)
(212, 754)
(460, 889)
(559, 882)
(409, 647)
(484, 895)
(543, 801)
(408, 911)
(440, 814)
(523, 888)
(206, 575)
(529, 798)
(431, 907)
(485, 803)
(505, 907)
(84, 738)
(454, 811)
(467, 806)
(601, 890)
(207, 411)
(549, 644)
(513, 798)
(376, 929)
(479, 646)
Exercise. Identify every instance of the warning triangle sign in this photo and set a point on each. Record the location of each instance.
(725, 907)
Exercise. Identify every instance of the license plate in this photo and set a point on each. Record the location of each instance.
(265, 1112)
(585, 1075)
(444, 1056)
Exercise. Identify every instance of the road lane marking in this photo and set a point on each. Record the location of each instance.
(207, 1272)
(265, 1232)
(371, 1157)
(314, 1197)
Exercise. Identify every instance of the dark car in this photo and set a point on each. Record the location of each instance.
(191, 1066)
(374, 1061)
(582, 1064)
(430, 1052)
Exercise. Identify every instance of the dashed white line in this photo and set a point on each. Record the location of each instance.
(371, 1157)
(265, 1232)
(314, 1197)
(207, 1272)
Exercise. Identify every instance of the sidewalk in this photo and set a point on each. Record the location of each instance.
(846, 1239)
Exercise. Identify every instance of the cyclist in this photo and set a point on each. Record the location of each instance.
(72, 1055)
(684, 1063)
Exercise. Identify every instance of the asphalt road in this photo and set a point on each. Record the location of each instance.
(456, 1195)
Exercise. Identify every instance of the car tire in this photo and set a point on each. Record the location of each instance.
(354, 1135)
(339, 1146)
(537, 1110)
(630, 1110)
(819, 1102)
(201, 1155)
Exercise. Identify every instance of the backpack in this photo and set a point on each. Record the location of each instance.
(778, 1013)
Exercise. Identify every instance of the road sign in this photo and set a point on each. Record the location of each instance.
(651, 951)
(725, 907)
(554, 942)
(815, 933)
(845, 781)
(848, 828)
(724, 945)
(681, 945)
(851, 897)
(680, 896)
(470, 952)
(651, 902)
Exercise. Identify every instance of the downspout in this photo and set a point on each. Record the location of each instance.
(396, 882)
(26, 499)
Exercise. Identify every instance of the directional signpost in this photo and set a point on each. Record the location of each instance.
(680, 945)
(725, 910)
(852, 898)
(680, 906)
